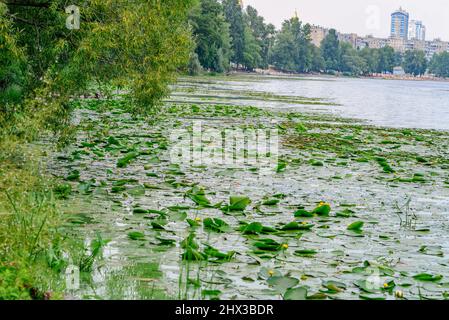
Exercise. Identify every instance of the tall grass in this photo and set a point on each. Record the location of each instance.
(29, 222)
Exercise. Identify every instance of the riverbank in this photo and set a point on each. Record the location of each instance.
(273, 72)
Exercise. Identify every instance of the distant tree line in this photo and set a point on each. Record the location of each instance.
(227, 36)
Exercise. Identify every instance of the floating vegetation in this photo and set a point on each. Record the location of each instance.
(321, 223)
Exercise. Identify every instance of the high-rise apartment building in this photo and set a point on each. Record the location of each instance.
(417, 30)
(399, 24)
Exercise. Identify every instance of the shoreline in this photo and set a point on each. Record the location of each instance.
(272, 72)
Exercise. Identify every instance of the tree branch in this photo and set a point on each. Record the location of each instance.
(26, 3)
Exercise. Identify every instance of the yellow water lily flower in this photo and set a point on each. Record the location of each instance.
(399, 294)
(197, 219)
(385, 285)
(285, 246)
(270, 272)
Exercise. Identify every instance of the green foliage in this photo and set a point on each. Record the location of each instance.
(439, 65)
(13, 67)
(211, 34)
(194, 67)
(137, 45)
(415, 62)
(262, 33)
(292, 50)
(252, 50)
(330, 50)
(234, 16)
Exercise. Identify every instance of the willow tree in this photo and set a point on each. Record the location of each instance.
(136, 44)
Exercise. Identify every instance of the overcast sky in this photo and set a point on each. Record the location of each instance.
(359, 16)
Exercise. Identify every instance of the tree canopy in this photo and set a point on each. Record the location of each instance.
(292, 49)
(139, 45)
(439, 65)
(415, 62)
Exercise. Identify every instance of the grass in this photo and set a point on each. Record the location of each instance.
(34, 248)
(28, 225)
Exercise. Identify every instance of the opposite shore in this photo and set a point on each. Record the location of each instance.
(274, 72)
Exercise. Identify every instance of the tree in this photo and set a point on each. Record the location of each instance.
(252, 51)
(263, 34)
(13, 67)
(415, 62)
(194, 67)
(351, 61)
(140, 45)
(439, 65)
(234, 16)
(387, 60)
(292, 50)
(211, 34)
(318, 63)
(330, 51)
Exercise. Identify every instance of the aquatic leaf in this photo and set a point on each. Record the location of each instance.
(140, 211)
(238, 203)
(365, 296)
(334, 286)
(137, 191)
(123, 162)
(356, 226)
(215, 253)
(166, 242)
(113, 141)
(157, 226)
(316, 163)
(213, 294)
(281, 284)
(193, 223)
(300, 128)
(198, 196)
(291, 226)
(432, 250)
(299, 293)
(281, 167)
(266, 273)
(216, 224)
(117, 189)
(346, 213)
(267, 245)
(63, 191)
(322, 210)
(135, 235)
(73, 175)
(427, 277)
(253, 228)
(191, 254)
(305, 252)
(270, 202)
(177, 216)
(303, 213)
(189, 242)
(297, 226)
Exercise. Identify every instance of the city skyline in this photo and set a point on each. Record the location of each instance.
(362, 17)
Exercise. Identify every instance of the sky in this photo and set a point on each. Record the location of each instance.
(364, 17)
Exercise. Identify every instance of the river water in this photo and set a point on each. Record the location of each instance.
(105, 198)
(392, 103)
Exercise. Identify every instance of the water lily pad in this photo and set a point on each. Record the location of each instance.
(281, 284)
(427, 277)
(299, 293)
(356, 226)
(135, 235)
(216, 224)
